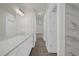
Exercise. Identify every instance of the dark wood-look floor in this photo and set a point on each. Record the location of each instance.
(40, 49)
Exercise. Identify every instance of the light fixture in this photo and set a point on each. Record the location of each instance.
(20, 12)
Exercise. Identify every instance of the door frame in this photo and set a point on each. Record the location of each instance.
(61, 29)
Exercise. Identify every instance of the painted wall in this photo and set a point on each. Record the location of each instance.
(17, 24)
(2, 24)
(39, 24)
(8, 23)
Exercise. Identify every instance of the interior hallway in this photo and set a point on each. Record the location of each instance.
(40, 48)
(19, 25)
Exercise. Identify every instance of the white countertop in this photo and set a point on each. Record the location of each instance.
(9, 44)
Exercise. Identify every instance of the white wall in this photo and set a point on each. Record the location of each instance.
(8, 23)
(21, 24)
(2, 24)
(26, 23)
(39, 24)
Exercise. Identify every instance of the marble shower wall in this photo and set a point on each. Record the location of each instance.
(72, 29)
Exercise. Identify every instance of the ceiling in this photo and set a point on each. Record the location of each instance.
(73, 5)
(37, 7)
